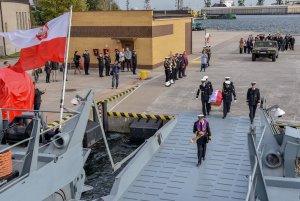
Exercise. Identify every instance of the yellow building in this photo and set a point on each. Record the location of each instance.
(152, 35)
(14, 15)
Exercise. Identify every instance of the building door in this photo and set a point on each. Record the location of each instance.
(129, 44)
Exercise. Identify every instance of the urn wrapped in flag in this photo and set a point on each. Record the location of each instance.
(46, 43)
(216, 98)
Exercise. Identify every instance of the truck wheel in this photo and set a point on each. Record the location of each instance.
(273, 57)
(253, 57)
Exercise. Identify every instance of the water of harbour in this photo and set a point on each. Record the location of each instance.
(284, 24)
(98, 168)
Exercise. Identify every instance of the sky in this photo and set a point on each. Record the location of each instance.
(170, 4)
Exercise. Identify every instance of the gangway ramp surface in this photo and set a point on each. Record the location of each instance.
(168, 171)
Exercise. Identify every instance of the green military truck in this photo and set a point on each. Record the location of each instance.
(265, 49)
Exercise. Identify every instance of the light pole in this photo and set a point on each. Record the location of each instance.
(205, 37)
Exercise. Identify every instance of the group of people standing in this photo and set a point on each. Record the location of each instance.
(201, 127)
(123, 59)
(284, 43)
(175, 68)
(205, 91)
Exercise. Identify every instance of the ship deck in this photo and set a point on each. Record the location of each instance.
(169, 172)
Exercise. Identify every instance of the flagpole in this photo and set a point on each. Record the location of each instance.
(62, 101)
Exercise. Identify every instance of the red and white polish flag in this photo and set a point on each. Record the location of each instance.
(42, 44)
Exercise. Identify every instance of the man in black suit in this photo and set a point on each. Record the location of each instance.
(86, 56)
(253, 98)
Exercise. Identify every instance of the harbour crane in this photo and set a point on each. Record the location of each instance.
(127, 4)
(179, 4)
(260, 2)
(207, 3)
(147, 5)
(241, 2)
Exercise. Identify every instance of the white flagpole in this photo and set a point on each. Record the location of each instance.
(62, 101)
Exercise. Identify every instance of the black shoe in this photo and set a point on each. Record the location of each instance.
(199, 163)
(208, 113)
(203, 158)
(223, 117)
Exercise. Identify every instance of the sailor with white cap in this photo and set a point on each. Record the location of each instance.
(228, 79)
(253, 98)
(227, 93)
(210, 89)
(202, 131)
(205, 93)
(167, 71)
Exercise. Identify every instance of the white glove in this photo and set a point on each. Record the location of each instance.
(235, 101)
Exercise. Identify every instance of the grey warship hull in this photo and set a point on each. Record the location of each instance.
(54, 170)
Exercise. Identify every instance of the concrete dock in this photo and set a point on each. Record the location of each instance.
(253, 10)
(278, 81)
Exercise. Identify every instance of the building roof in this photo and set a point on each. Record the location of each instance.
(17, 1)
(157, 14)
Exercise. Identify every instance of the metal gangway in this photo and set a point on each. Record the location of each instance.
(165, 167)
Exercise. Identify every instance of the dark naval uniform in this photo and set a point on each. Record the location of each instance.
(100, 65)
(210, 90)
(180, 66)
(174, 69)
(227, 93)
(107, 64)
(134, 62)
(167, 72)
(253, 98)
(205, 91)
(201, 142)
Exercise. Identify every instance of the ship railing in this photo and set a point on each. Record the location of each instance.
(44, 129)
(21, 158)
(256, 183)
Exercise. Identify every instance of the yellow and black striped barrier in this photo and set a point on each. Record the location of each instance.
(282, 126)
(112, 98)
(138, 116)
(56, 123)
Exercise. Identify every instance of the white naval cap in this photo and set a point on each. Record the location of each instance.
(203, 80)
(167, 57)
(201, 115)
(205, 77)
(227, 78)
(253, 82)
(227, 82)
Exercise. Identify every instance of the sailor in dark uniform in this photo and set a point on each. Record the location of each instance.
(228, 79)
(253, 98)
(167, 71)
(204, 90)
(227, 93)
(100, 64)
(201, 127)
(210, 90)
(180, 66)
